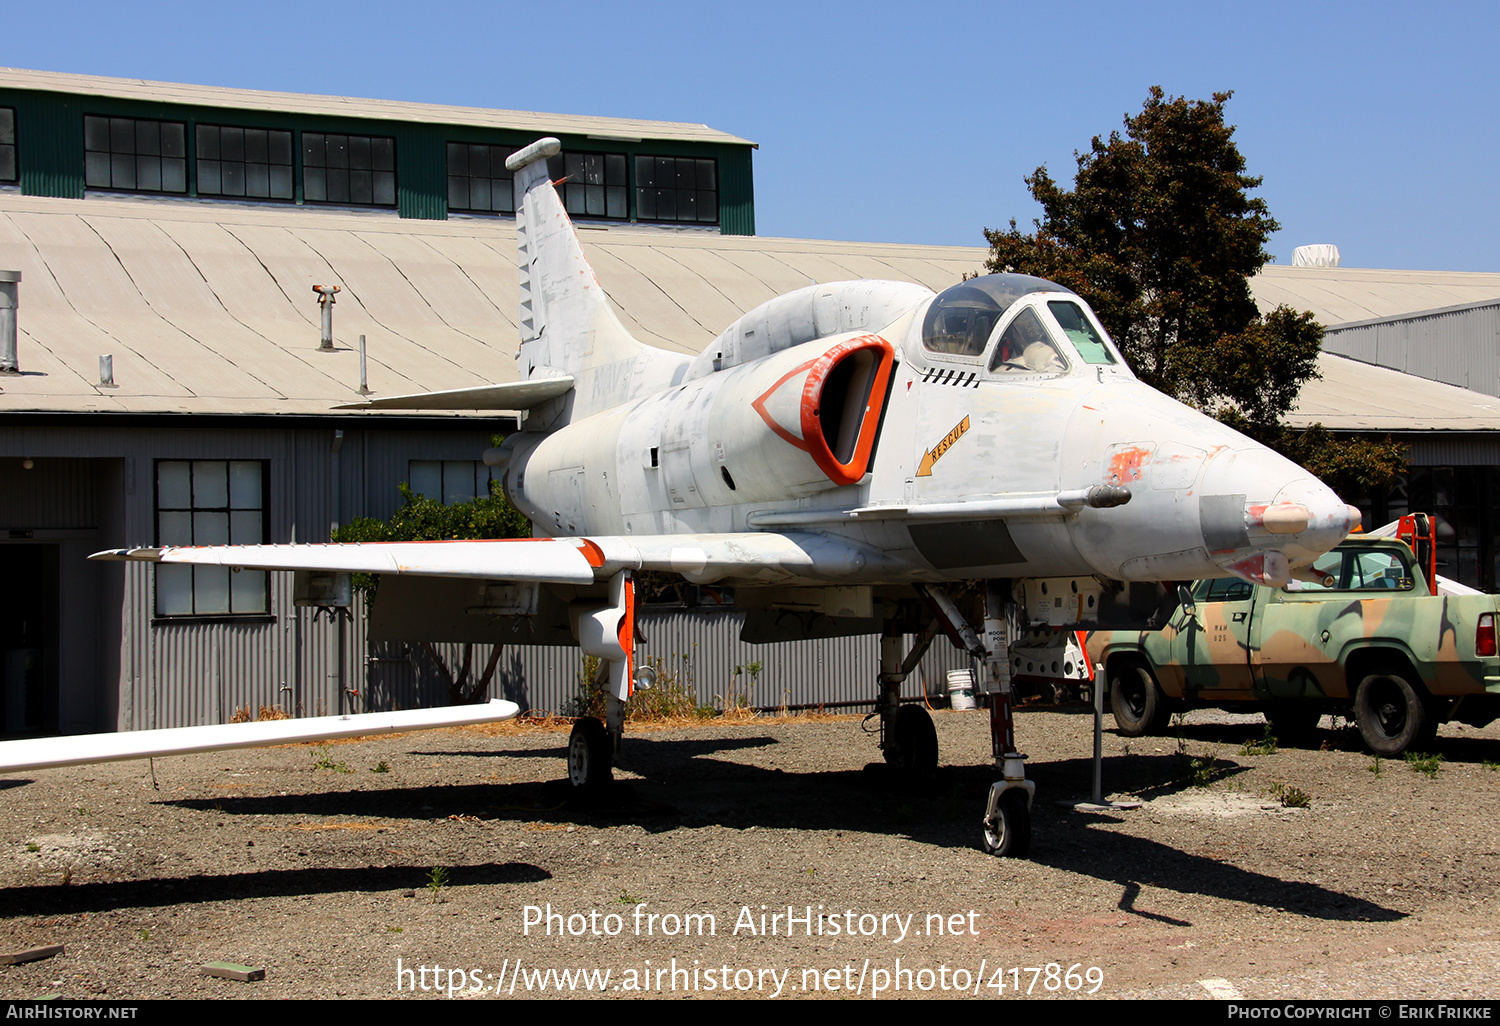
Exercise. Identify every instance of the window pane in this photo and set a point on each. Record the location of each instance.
(96, 170)
(210, 484)
(245, 484)
(427, 478)
(233, 142)
(96, 134)
(245, 527)
(314, 187)
(174, 590)
(173, 175)
(173, 486)
(247, 592)
(256, 150)
(210, 528)
(174, 528)
(210, 590)
(122, 171)
(385, 188)
(281, 183)
(208, 141)
(234, 180)
(458, 481)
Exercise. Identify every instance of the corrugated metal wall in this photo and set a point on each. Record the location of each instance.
(124, 667)
(1460, 346)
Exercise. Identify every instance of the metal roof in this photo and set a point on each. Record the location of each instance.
(1354, 396)
(356, 107)
(207, 307)
(1337, 295)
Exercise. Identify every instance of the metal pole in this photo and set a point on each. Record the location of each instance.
(364, 377)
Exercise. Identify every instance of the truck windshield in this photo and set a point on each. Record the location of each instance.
(1359, 570)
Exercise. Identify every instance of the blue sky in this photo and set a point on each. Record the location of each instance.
(904, 122)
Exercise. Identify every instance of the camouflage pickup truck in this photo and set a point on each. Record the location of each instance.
(1367, 637)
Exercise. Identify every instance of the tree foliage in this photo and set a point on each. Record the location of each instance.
(424, 519)
(1161, 235)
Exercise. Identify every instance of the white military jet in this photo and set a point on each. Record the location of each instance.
(849, 457)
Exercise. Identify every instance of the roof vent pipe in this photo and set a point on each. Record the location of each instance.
(326, 301)
(10, 285)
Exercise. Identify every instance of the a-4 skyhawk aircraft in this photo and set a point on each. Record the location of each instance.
(852, 457)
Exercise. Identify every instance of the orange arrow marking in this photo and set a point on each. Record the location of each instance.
(924, 469)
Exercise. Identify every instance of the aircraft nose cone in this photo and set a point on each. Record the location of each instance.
(1263, 516)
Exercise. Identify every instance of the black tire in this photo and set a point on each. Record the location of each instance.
(913, 745)
(1393, 713)
(1009, 833)
(1294, 724)
(589, 756)
(1136, 699)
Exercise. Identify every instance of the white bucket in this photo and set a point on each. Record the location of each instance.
(960, 689)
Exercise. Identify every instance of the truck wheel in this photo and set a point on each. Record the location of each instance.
(1136, 699)
(1391, 713)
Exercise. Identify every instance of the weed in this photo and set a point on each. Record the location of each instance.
(1374, 767)
(394, 929)
(381, 767)
(1265, 746)
(1294, 798)
(1428, 764)
(1201, 770)
(144, 934)
(437, 879)
(737, 699)
(33, 846)
(626, 898)
(674, 695)
(1491, 764)
(321, 760)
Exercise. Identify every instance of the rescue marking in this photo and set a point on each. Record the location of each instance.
(924, 469)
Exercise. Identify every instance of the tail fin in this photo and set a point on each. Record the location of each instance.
(568, 327)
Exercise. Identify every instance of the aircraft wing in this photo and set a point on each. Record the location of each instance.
(700, 558)
(80, 749)
(513, 395)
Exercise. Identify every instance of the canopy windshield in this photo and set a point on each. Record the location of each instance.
(961, 318)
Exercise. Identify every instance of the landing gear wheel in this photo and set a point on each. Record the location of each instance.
(589, 756)
(1294, 724)
(1392, 714)
(1136, 699)
(1008, 834)
(914, 748)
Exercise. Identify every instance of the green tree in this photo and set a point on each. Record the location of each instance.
(1161, 235)
(424, 519)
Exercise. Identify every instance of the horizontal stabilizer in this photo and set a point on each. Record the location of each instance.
(513, 395)
(557, 561)
(79, 750)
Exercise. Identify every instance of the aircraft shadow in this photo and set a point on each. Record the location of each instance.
(268, 883)
(941, 810)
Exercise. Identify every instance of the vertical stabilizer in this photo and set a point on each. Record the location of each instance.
(567, 324)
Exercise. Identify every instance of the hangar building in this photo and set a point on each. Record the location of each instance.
(179, 230)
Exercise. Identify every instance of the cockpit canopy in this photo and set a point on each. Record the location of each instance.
(961, 319)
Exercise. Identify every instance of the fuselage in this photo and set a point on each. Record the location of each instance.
(992, 431)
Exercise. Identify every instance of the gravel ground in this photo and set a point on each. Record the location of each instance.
(317, 864)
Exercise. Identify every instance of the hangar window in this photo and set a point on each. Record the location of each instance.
(681, 189)
(134, 154)
(359, 170)
(7, 144)
(255, 163)
(210, 502)
(478, 181)
(450, 481)
(593, 184)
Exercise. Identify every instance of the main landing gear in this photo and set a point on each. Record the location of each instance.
(1007, 815)
(608, 634)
